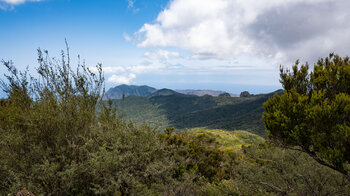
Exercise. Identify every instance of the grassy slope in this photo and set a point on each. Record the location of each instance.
(232, 140)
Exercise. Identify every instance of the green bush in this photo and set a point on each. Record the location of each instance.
(272, 170)
(196, 153)
(59, 138)
(313, 113)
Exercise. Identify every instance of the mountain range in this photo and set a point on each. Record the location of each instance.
(144, 90)
(204, 92)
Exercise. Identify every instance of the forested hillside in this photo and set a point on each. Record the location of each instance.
(125, 90)
(166, 108)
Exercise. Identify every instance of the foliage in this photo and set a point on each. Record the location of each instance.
(187, 112)
(59, 138)
(54, 141)
(272, 170)
(230, 140)
(139, 110)
(197, 154)
(123, 90)
(314, 111)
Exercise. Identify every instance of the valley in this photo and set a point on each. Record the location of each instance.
(167, 108)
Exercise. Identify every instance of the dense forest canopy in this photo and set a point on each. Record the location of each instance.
(184, 112)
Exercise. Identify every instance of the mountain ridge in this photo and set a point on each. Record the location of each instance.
(144, 91)
(187, 112)
(118, 91)
(204, 92)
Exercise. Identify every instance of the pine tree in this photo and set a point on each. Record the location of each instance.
(313, 113)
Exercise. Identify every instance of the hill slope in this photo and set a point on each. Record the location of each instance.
(232, 140)
(187, 112)
(166, 92)
(118, 91)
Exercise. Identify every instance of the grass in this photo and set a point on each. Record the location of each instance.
(230, 140)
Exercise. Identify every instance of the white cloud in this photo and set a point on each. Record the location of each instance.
(131, 68)
(17, 2)
(127, 37)
(131, 3)
(116, 69)
(279, 30)
(121, 79)
(161, 55)
(125, 74)
(10, 4)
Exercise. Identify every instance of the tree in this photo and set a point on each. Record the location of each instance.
(313, 113)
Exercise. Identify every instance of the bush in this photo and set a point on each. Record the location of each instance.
(59, 138)
(199, 154)
(272, 170)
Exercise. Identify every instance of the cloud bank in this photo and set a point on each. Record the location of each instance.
(278, 30)
(162, 55)
(126, 74)
(121, 79)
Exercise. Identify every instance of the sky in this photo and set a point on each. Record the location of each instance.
(229, 45)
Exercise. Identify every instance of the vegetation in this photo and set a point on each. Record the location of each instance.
(125, 90)
(313, 113)
(266, 169)
(166, 108)
(54, 141)
(59, 138)
(144, 91)
(229, 140)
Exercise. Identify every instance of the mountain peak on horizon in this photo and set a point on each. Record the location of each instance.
(166, 92)
(204, 92)
(118, 91)
(144, 90)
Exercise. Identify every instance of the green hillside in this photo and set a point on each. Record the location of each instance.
(118, 91)
(141, 110)
(164, 109)
(232, 140)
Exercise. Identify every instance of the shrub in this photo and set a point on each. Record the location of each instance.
(59, 138)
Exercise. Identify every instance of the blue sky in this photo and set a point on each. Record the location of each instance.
(179, 44)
